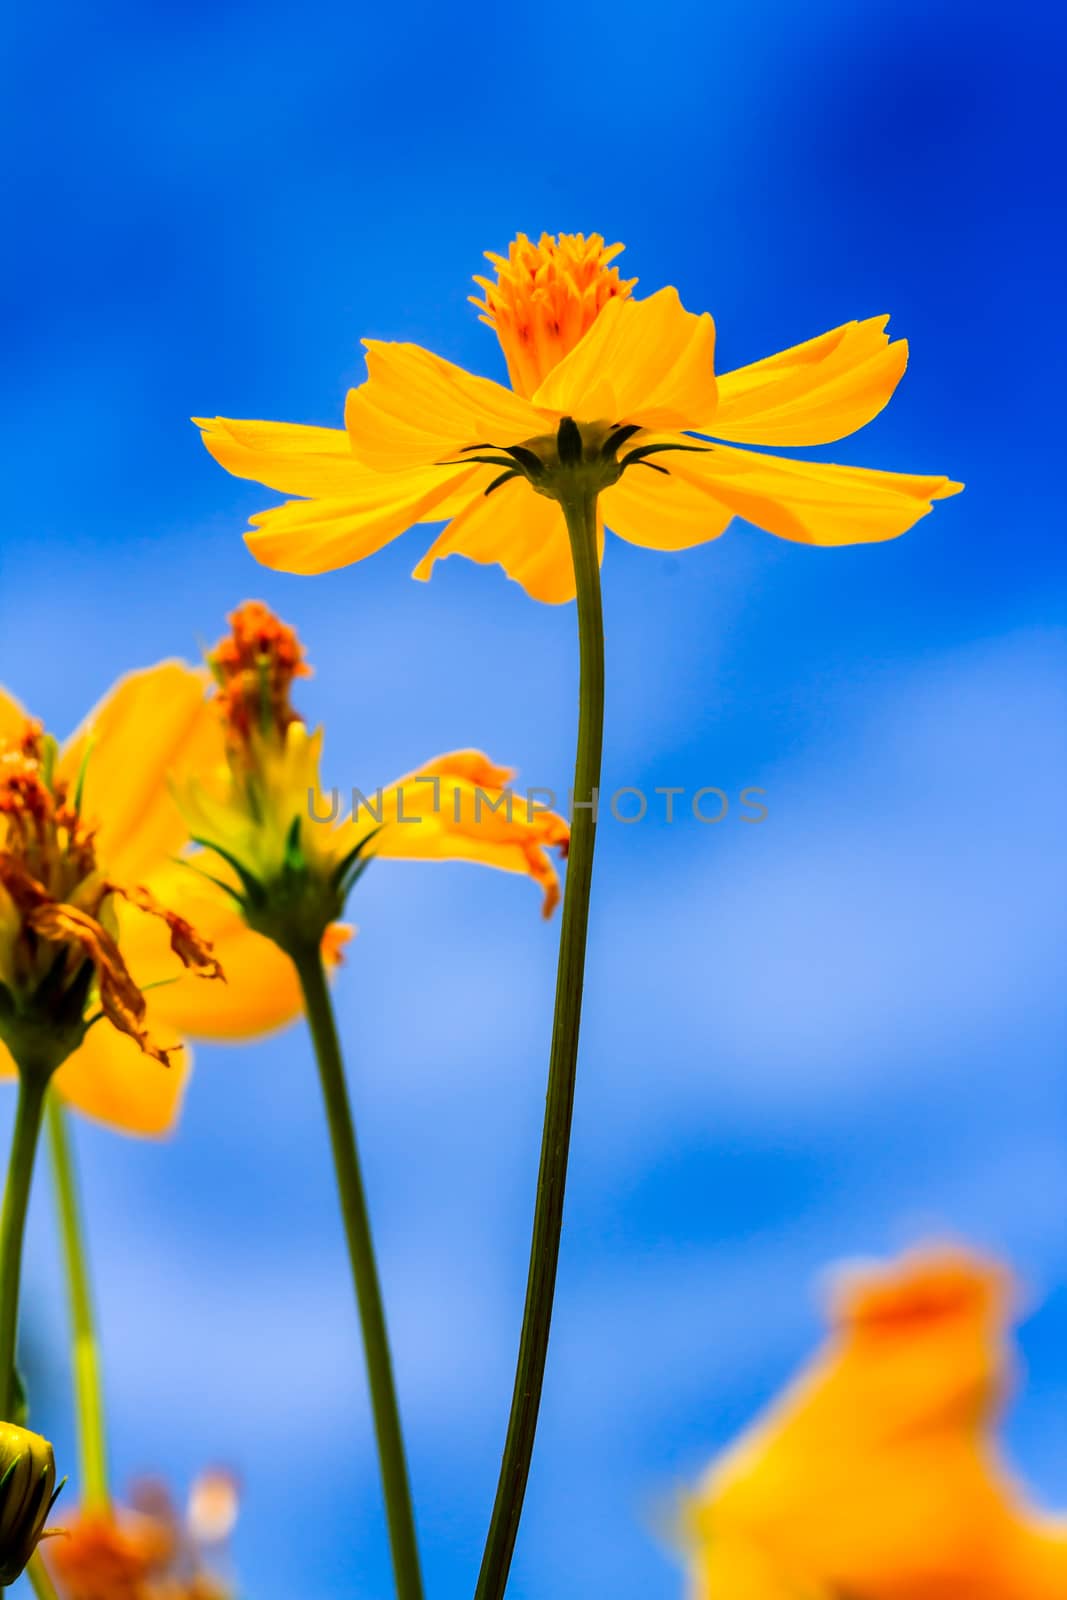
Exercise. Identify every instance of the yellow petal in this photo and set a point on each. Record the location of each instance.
(473, 765)
(814, 393)
(13, 718)
(521, 530)
(112, 1081)
(647, 361)
(153, 726)
(876, 1473)
(736, 1571)
(309, 536)
(8, 1068)
(662, 513)
(807, 501)
(416, 409)
(314, 462)
(453, 809)
(260, 992)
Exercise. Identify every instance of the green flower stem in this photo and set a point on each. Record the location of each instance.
(85, 1349)
(40, 1582)
(396, 1488)
(581, 516)
(28, 1112)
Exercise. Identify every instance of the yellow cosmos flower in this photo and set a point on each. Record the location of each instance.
(292, 856)
(623, 388)
(87, 840)
(877, 1477)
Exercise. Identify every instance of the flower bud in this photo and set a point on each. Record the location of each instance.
(27, 1494)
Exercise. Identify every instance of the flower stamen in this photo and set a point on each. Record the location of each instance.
(254, 666)
(59, 934)
(546, 297)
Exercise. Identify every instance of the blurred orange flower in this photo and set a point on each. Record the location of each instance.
(144, 1553)
(876, 1477)
(427, 441)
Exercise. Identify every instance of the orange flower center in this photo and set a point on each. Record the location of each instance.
(53, 898)
(254, 667)
(39, 827)
(546, 296)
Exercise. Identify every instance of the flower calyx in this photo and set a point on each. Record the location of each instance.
(28, 1491)
(579, 459)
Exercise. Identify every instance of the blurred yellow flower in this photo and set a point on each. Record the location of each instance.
(293, 856)
(427, 441)
(876, 1477)
(87, 840)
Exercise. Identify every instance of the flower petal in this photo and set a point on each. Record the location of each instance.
(739, 1571)
(309, 536)
(13, 718)
(153, 726)
(810, 502)
(876, 1472)
(814, 393)
(519, 528)
(417, 410)
(453, 809)
(109, 1079)
(647, 361)
(662, 513)
(260, 992)
(297, 460)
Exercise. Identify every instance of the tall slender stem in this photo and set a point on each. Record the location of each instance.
(40, 1582)
(85, 1348)
(396, 1488)
(13, 1225)
(581, 518)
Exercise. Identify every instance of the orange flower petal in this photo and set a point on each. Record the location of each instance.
(815, 392)
(297, 460)
(436, 815)
(13, 718)
(647, 361)
(810, 502)
(261, 992)
(876, 1474)
(521, 530)
(309, 536)
(110, 1080)
(417, 410)
(153, 725)
(662, 513)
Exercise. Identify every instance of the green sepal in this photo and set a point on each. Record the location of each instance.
(255, 893)
(505, 477)
(528, 460)
(83, 769)
(50, 754)
(569, 442)
(348, 871)
(295, 860)
(209, 877)
(643, 450)
(618, 437)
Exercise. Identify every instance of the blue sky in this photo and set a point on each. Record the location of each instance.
(830, 1034)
